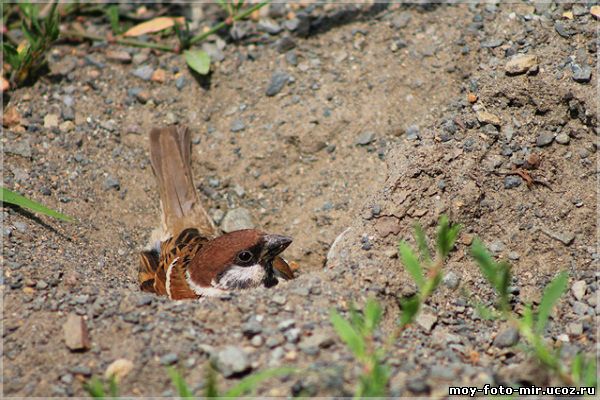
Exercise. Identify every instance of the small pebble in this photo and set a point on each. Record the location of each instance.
(278, 81)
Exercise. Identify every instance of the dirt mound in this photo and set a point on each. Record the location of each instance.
(387, 117)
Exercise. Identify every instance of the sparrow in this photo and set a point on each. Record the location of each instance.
(188, 257)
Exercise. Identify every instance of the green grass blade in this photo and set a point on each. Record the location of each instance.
(211, 389)
(412, 265)
(182, 388)
(248, 385)
(16, 199)
(356, 319)
(577, 367)
(421, 240)
(95, 388)
(112, 13)
(410, 308)
(485, 262)
(373, 313)
(348, 334)
(113, 387)
(553, 291)
(590, 373)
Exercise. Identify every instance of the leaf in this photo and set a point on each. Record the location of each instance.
(11, 197)
(248, 384)
(421, 240)
(410, 308)
(347, 333)
(154, 25)
(113, 387)
(95, 388)
(577, 367)
(412, 264)
(373, 315)
(182, 388)
(210, 389)
(485, 312)
(446, 236)
(590, 374)
(112, 13)
(553, 291)
(198, 60)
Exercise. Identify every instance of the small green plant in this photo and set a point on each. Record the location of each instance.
(357, 333)
(26, 58)
(11, 197)
(100, 389)
(531, 325)
(246, 386)
(427, 273)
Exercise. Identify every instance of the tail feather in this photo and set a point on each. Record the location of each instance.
(170, 150)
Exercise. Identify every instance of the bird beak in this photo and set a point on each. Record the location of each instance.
(275, 244)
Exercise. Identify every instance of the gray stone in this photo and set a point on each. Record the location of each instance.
(507, 338)
(20, 148)
(544, 139)
(581, 74)
(292, 335)
(236, 219)
(278, 81)
(312, 344)
(426, 319)
(512, 181)
(513, 255)
(180, 82)
(279, 299)
(237, 125)
(169, 359)
(291, 24)
(578, 289)
(451, 280)
(251, 328)
(274, 341)
(562, 30)
(491, 43)
(580, 308)
(496, 246)
(285, 44)
(111, 183)
(401, 20)
(575, 328)
(562, 138)
(269, 26)
(231, 361)
(257, 341)
(214, 52)
(365, 138)
(565, 238)
(286, 324)
(144, 72)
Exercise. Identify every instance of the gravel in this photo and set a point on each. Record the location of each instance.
(278, 81)
(236, 219)
(144, 72)
(231, 361)
(507, 338)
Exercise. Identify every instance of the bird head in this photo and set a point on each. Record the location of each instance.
(238, 260)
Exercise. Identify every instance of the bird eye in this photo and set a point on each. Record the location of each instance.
(245, 256)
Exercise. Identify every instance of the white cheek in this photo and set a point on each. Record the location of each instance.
(235, 276)
(203, 291)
